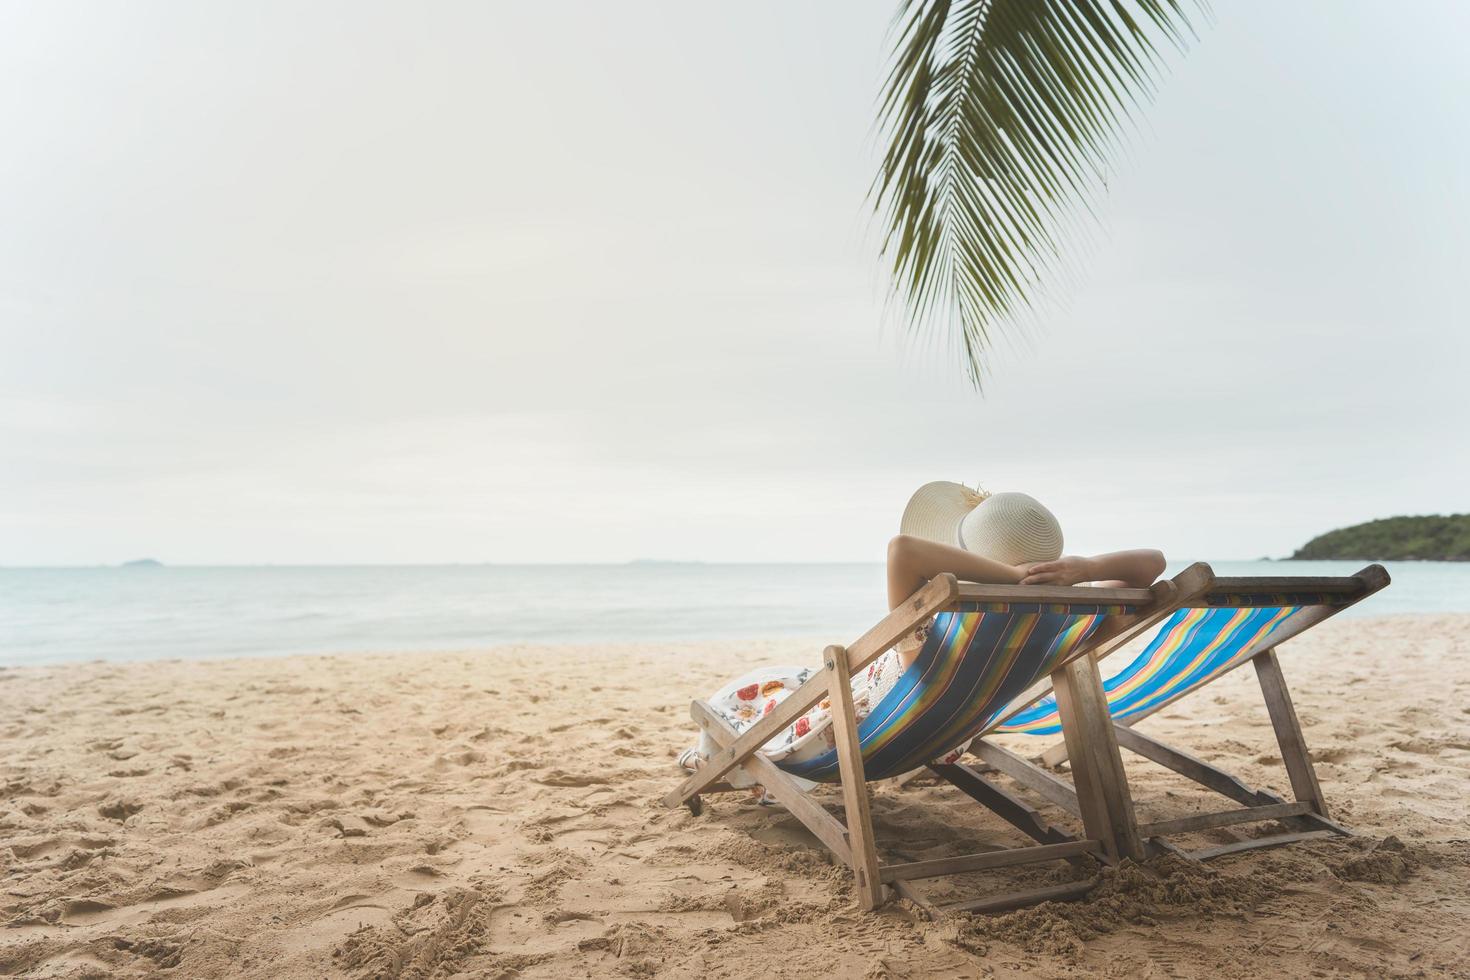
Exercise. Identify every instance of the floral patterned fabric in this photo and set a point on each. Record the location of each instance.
(746, 699)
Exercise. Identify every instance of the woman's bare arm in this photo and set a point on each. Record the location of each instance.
(913, 561)
(1133, 569)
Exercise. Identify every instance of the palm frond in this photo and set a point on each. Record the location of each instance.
(1000, 117)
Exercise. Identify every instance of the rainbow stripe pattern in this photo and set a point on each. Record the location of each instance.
(977, 660)
(1194, 645)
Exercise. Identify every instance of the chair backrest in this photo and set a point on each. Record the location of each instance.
(1210, 635)
(979, 657)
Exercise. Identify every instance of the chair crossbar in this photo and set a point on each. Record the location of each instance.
(1371, 578)
(966, 863)
(1222, 818)
(1082, 595)
(1276, 840)
(1069, 892)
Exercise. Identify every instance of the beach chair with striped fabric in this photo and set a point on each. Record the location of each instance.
(1232, 622)
(990, 647)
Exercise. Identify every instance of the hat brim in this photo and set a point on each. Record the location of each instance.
(935, 511)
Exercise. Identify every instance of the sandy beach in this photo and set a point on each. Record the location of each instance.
(495, 814)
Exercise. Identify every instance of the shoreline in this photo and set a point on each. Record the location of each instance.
(494, 812)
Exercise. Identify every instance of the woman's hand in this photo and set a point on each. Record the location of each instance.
(1133, 569)
(1066, 570)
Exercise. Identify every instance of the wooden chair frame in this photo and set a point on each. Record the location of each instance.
(1304, 819)
(1100, 790)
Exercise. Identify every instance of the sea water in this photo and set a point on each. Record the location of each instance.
(59, 615)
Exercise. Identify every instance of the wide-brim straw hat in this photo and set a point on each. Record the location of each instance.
(1009, 527)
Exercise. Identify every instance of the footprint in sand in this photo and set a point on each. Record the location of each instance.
(119, 809)
(211, 789)
(223, 812)
(84, 911)
(165, 953)
(217, 872)
(46, 846)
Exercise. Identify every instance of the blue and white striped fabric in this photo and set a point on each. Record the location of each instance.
(1193, 645)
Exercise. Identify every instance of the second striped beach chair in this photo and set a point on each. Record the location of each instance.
(1231, 622)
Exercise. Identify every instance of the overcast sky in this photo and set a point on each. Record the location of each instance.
(354, 282)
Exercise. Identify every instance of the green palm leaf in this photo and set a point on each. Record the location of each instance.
(1000, 117)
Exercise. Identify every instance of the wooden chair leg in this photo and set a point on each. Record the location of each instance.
(854, 783)
(1299, 768)
(1097, 766)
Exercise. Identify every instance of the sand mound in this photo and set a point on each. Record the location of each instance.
(1385, 862)
(432, 933)
(1129, 894)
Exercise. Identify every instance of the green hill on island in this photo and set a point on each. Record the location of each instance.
(1431, 538)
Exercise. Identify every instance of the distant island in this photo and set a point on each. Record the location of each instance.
(1431, 538)
(143, 563)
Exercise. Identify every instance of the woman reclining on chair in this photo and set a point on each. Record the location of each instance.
(998, 539)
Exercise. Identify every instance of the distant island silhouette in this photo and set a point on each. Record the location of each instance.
(1429, 538)
(143, 563)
